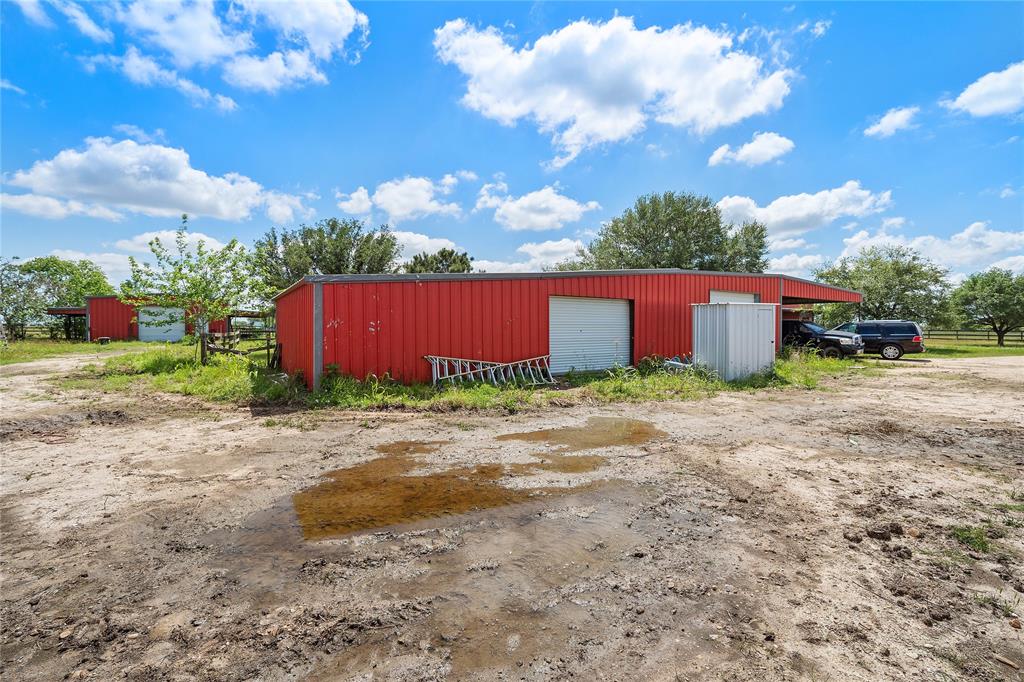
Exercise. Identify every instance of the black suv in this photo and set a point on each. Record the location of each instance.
(889, 338)
(831, 344)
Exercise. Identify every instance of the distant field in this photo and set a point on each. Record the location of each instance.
(38, 349)
(963, 348)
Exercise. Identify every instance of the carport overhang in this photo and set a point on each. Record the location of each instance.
(795, 291)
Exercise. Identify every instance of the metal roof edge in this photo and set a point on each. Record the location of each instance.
(461, 276)
(821, 284)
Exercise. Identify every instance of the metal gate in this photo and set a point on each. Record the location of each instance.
(586, 334)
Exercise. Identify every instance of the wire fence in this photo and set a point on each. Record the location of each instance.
(1015, 337)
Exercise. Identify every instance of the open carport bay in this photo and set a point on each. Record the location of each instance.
(859, 533)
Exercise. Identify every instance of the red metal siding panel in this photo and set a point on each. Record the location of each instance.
(387, 327)
(109, 317)
(818, 292)
(295, 331)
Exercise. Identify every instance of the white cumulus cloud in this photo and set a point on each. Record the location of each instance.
(799, 213)
(356, 203)
(143, 70)
(795, 264)
(538, 255)
(203, 34)
(591, 83)
(150, 179)
(114, 265)
(140, 242)
(894, 120)
(762, 148)
(274, 71)
(404, 199)
(975, 247)
(998, 92)
(543, 209)
(413, 243)
(54, 209)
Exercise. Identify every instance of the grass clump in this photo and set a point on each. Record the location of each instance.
(174, 368)
(974, 537)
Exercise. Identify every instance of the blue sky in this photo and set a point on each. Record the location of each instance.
(513, 130)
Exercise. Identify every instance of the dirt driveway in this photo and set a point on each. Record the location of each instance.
(780, 535)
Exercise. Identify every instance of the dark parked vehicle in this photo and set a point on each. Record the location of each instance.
(889, 338)
(831, 344)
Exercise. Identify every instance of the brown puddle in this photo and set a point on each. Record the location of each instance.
(598, 432)
(381, 492)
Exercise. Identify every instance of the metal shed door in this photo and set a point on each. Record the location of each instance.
(149, 331)
(588, 333)
(731, 297)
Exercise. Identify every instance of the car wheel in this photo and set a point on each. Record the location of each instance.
(831, 352)
(891, 351)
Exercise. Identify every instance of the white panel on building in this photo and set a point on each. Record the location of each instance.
(588, 334)
(150, 319)
(734, 339)
(732, 297)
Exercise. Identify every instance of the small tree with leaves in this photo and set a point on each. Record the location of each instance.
(994, 298)
(22, 298)
(194, 285)
(443, 260)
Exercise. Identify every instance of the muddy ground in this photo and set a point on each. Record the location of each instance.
(781, 535)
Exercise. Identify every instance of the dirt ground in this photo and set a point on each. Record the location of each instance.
(778, 535)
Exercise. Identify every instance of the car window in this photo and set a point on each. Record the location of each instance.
(903, 329)
(814, 328)
(848, 327)
(868, 329)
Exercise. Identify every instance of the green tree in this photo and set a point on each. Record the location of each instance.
(994, 298)
(329, 247)
(674, 230)
(195, 285)
(896, 282)
(68, 282)
(444, 260)
(22, 298)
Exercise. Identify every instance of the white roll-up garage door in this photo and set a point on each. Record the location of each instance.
(588, 334)
(732, 297)
(150, 331)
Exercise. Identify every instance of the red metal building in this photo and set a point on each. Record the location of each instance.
(384, 324)
(108, 316)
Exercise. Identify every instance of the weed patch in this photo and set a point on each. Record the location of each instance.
(971, 536)
(228, 378)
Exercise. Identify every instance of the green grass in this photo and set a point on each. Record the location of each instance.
(974, 537)
(39, 349)
(241, 380)
(175, 369)
(951, 348)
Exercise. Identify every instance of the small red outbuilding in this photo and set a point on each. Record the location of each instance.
(385, 324)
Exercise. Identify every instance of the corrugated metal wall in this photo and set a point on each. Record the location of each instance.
(295, 331)
(387, 327)
(813, 292)
(109, 317)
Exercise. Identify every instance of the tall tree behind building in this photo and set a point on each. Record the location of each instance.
(329, 247)
(443, 260)
(674, 230)
(898, 283)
